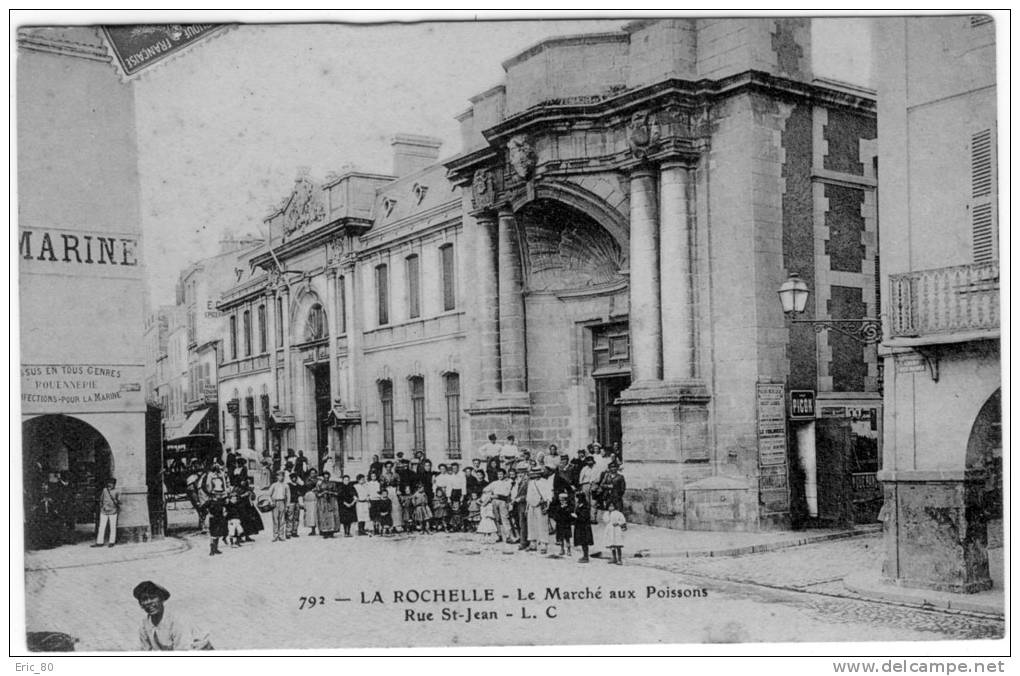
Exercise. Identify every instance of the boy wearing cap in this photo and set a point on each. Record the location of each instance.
(161, 629)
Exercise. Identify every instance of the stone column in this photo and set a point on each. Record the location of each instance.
(512, 352)
(352, 305)
(645, 318)
(333, 325)
(273, 347)
(287, 404)
(487, 285)
(676, 234)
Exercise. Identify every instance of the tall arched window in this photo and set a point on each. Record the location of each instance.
(247, 332)
(417, 385)
(451, 385)
(413, 274)
(386, 401)
(315, 325)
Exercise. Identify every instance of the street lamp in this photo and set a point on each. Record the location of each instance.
(793, 294)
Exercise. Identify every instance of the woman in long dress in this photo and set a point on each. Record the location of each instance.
(363, 504)
(311, 516)
(326, 506)
(251, 517)
(348, 498)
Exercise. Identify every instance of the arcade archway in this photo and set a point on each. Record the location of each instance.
(66, 461)
(984, 452)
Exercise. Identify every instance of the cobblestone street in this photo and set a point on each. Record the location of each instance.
(251, 597)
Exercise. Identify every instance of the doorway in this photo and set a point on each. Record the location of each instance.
(66, 462)
(320, 374)
(607, 390)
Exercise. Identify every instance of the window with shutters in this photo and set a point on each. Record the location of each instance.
(413, 287)
(983, 216)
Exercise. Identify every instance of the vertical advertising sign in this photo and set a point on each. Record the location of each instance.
(773, 483)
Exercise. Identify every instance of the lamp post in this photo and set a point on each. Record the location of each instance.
(793, 295)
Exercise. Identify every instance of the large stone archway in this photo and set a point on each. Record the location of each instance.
(66, 461)
(984, 454)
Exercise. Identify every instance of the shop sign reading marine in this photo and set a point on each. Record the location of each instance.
(135, 48)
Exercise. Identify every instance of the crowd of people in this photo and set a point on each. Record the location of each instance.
(505, 494)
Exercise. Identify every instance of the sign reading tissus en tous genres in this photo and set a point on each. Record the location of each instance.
(137, 47)
(63, 388)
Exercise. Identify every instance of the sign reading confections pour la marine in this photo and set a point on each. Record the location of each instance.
(60, 388)
(135, 48)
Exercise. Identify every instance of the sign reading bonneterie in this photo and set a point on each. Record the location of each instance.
(59, 388)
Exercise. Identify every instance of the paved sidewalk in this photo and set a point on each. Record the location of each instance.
(649, 541)
(83, 554)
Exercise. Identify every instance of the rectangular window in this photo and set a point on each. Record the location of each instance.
(341, 295)
(249, 405)
(413, 288)
(418, 412)
(382, 289)
(452, 383)
(233, 336)
(279, 322)
(386, 399)
(449, 277)
(262, 329)
(237, 424)
(247, 333)
(265, 422)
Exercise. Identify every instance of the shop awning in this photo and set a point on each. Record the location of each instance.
(195, 418)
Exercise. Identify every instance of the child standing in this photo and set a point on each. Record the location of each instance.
(384, 512)
(234, 529)
(217, 524)
(422, 513)
(440, 509)
(563, 515)
(487, 524)
(406, 508)
(474, 511)
(616, 524)
(583, 536)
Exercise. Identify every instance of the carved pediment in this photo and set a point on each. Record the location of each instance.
(304, 207)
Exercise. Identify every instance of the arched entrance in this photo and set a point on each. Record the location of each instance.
(66, 461)
(984, 452)
(574, 277)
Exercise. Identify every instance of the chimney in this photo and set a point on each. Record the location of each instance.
(412, 153)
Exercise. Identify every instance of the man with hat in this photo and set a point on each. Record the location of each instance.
(612, 486)
(161, 629)
(489, 450)
(587, 481)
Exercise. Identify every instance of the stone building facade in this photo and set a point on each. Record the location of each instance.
(633, 201)
(599, 262)
(81, 277)
(942, 468)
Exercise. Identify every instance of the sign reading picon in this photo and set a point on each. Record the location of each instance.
(802, 404)
(135, 48)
